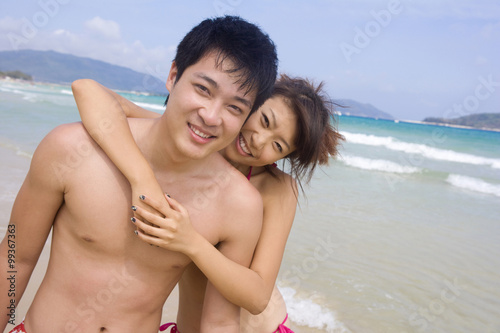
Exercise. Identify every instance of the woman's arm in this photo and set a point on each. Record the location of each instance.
(104, 114)
(251, 288)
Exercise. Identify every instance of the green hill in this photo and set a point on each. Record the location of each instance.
(478, 120)
(54, 67)
(16, 75)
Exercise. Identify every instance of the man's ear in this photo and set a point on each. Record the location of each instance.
(172, 76)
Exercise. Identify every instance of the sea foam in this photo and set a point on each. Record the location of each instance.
(473, 184)
(150, 106)
(66, 92)
(420, 149)
(377, 165)
(306, 312)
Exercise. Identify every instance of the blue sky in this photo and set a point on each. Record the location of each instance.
(409, 58)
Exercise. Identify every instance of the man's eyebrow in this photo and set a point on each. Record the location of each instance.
(244, 101)
(208, 79)
(214, 84)
(274, 122)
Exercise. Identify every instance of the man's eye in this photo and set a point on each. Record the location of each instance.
(202, 88)
(235, 108)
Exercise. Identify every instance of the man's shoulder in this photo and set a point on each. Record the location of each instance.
(241, 207)
(239, 195)
(243, 195)
(240, 190)
(52, 158)
(278, 185)
(68, 131)
(65, 135)
(61, 138)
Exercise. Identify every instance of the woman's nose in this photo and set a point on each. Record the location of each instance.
(259, 139)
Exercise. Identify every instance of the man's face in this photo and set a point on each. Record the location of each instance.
(206, 108)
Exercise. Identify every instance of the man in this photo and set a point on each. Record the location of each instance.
(101, 277)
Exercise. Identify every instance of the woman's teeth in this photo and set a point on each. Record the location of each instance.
(243, 145)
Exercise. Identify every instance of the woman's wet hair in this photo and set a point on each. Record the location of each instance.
(317, 138)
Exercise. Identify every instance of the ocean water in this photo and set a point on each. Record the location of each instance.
(400, 233)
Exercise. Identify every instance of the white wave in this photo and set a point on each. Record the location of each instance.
(473, 184)
(378, 165)
(41, 97)
(11, 90)
(420, 149)
(305, 312)
(150, 106)
(20, 152)
(66, 92)
(16, 149)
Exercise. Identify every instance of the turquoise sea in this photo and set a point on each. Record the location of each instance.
(401, 233)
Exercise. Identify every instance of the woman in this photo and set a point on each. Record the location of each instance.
(295, 124)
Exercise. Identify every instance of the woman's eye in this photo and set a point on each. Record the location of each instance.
(279, 147)
(266, 120)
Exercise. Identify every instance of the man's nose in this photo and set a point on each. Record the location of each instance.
(211, 114)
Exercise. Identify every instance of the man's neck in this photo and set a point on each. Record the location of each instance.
(243, 168)
(159, 149)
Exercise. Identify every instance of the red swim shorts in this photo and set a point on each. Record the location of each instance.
(19, 328)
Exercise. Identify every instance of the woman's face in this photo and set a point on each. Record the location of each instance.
(267, 136)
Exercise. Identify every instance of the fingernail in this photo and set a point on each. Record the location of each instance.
(142, 197)
(134, 208)
(132, 219)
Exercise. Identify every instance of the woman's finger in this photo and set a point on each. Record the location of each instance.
(161, 207)
(146, 228)
(147, 238)
(175, 205)
(144, 214)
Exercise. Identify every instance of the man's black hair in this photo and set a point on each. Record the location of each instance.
(252, 52)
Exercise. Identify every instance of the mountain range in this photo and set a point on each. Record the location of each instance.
(487, 121)
(54, 67)
(353, 108)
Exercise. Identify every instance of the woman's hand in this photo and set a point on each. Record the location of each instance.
(154, 193)
(166, 225)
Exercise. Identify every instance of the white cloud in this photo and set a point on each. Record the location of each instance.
(8, 24)
(103, 28)
(101, 39)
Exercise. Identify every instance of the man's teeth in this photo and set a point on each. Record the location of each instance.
(200, 134)
(243, 145)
